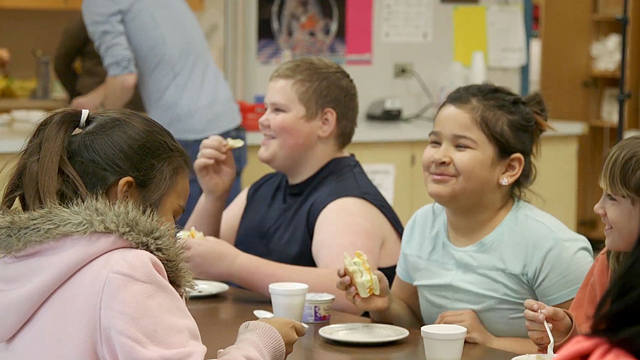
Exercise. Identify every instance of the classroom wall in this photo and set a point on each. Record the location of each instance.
(376, 80)
(24, 30)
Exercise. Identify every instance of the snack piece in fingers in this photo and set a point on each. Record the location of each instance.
(361, 275)
(193, 233)
(234, 143)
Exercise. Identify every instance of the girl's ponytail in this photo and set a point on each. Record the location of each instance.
(44, 174)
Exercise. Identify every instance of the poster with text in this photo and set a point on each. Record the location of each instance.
(339, 30)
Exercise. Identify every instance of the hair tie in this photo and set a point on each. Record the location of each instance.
(518, 100)
(83, 118)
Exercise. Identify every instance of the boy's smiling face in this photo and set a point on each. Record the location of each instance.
(288, 134)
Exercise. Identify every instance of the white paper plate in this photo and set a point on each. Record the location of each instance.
(363, 333)
(207, 288)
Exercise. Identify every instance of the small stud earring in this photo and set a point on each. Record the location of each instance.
(504, 182)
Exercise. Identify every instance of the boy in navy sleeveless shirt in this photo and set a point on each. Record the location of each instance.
(295, 224)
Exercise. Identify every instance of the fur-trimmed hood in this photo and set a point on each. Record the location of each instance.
(20, 231)
(41, 250)
(57, 263)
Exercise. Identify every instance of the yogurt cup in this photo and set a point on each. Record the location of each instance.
(317, 308)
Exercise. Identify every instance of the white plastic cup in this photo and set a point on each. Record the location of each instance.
(287, 299)
(443, 341)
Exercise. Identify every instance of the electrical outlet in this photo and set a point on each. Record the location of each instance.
(400, 70)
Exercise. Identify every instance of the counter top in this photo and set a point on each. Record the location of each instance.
(12, 140)
(418, 131)
(8, 104)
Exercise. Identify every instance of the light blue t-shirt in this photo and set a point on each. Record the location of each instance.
(530, 255)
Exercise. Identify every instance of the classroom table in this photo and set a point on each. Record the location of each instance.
(220, 316)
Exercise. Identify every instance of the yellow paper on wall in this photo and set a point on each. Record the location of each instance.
(469, 32)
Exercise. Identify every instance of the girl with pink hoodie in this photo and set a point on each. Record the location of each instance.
(89, 263)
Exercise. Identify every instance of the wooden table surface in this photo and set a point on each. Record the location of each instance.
(219, 318)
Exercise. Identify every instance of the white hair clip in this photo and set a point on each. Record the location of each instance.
(83, 118)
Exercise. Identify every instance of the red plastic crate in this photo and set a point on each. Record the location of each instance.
(251, 114)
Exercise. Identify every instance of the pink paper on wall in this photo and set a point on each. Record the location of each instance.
(358, 31)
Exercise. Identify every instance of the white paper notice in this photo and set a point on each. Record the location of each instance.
(506, 37)
(535, 64)
(407, 21)
(383, 176)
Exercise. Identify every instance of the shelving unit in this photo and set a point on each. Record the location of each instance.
(601, 74)
(603, 124)
(573, 89)
(604, 17)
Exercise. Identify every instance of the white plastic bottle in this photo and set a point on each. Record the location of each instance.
(450, 80)
(478, 74)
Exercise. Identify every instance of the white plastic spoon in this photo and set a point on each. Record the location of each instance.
(264, 314)
(551, 343)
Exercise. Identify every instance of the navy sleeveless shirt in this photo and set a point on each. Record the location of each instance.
(279, 219)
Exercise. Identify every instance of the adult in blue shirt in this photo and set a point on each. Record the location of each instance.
(160, 47)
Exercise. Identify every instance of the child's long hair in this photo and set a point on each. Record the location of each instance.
(621, 176)
(62, 164)
(513, 124)
(617, 317)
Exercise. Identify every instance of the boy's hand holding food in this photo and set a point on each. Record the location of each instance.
(215, 167)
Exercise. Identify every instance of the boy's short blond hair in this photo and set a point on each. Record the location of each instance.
(321, 84)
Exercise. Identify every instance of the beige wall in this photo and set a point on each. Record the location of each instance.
(556, 187)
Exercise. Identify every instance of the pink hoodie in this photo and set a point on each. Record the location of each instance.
(100, 281)
(591, 348)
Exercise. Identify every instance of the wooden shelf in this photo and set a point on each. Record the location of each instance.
(8, 104)
(605, 74)
(73, 5)
(593, 233)
(572, 89)
(605, 17)
(603, 124)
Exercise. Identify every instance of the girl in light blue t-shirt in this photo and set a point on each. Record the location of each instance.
(475, 255)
